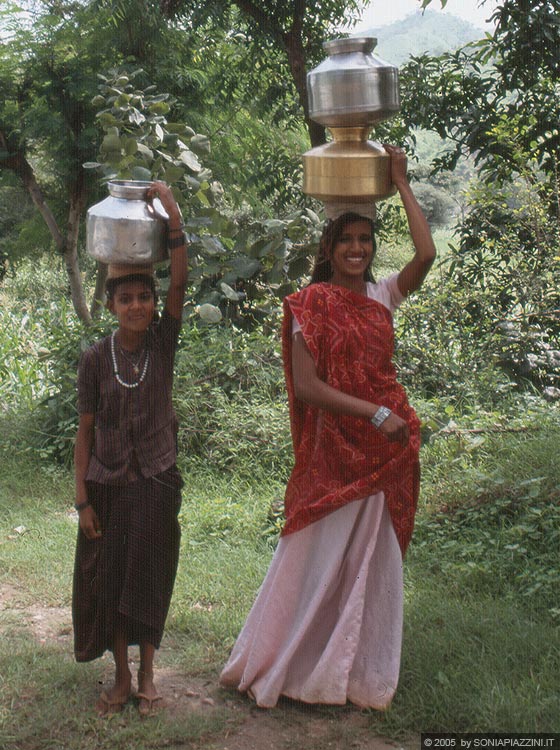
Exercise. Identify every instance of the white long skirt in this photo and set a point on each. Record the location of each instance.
(326, 626)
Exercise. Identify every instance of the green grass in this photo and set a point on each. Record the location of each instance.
(47, 709)
(478, 653)
(473, 663)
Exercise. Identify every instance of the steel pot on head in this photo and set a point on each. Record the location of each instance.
(125, 228)
(352, 86)
(349, 93)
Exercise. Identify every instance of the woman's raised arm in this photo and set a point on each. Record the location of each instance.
(413, 274)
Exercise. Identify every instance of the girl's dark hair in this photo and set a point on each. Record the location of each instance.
(332, 232)
(112, 283)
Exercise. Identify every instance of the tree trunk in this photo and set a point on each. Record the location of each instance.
(292, 41)
(19, 164)
(97, 302)
(297, 62)
(67, 246)
(70, 249)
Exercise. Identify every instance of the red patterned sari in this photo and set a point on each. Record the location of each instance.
(339, 459)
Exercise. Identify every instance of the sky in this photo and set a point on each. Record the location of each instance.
(382, 12)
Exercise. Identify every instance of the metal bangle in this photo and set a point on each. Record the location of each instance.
(380, 416)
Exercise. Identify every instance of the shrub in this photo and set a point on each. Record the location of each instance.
(230, 399)
(493, 520)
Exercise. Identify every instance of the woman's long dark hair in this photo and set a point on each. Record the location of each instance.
(333, 231)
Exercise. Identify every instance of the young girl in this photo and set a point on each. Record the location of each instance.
(127, 483)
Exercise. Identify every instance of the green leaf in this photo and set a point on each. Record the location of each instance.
(245, 267)
(141, 173)
(136, 117)
(229, 293)
(159, 108)
(201, 143)
(193, 183)
(130, 146)
(111, 142)
(145, 151)
(209, 313)
(190, 160)
(212, 245)
(106, 118)
(172, 174)
(179, 128)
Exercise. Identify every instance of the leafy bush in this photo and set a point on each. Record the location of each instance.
(506, 541)
(40, 343)
(443, 350)
(493, 520)
(231, 404)
(463, 339)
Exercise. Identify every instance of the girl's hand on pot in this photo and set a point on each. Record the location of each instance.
(165, 194)
(395, 429)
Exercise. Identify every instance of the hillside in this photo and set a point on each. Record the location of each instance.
(431, 32)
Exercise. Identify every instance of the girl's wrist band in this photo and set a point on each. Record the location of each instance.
(176, 241)
(81, 506)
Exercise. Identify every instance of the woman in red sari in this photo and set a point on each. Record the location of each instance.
(326, 626)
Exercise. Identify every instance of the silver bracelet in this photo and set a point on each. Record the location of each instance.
(380, 416)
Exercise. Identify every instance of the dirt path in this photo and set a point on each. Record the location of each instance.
(291, 727)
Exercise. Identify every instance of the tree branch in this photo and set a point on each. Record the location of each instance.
(17, 162)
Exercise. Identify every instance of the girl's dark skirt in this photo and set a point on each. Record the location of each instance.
(125, 578)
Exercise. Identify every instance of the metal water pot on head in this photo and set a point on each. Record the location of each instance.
(349, 93)
(126, 228)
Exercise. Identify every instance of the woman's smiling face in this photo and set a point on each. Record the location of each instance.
(353, 252)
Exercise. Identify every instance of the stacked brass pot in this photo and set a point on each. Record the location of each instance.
(349, 93)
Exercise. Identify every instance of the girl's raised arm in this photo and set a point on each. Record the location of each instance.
(177, 249)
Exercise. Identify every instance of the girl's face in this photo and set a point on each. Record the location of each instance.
(134, 305)
(353, 252)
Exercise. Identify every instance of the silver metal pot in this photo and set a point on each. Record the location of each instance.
(352, 86)
(125, 228)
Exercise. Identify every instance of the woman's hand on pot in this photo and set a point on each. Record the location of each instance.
(395, 429)
(398, 163)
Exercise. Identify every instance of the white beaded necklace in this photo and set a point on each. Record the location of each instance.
(116, 369)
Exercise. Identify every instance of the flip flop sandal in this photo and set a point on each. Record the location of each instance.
(151, 708)
(110, 707)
